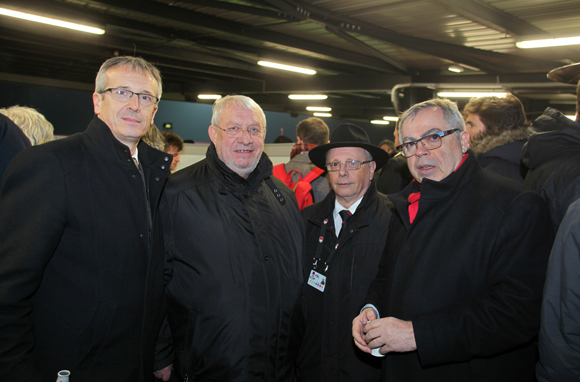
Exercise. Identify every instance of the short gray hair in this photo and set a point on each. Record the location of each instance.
(240, 101)
(451, 115)
(135, 63)
(33, 124)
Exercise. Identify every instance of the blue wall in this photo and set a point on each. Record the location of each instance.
(70, 111)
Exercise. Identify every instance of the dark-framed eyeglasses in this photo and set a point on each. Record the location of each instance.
(350, 165)
(429, 142)
(124, 95)
(235, 131)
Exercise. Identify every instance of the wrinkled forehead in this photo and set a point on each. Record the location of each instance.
(344, 153)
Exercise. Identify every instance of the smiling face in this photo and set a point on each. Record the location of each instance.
(438, 163)
(474, 125)
(241, 153)
(350, 185)
(128, 120)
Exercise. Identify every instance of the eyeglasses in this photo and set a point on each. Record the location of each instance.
(429, 142)
(350, 165)
(235, 131)
(124, 95)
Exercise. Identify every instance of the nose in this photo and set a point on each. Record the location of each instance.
(177, 159)
(242, 137)
(343, 171)
(133, 103)
(421, 149)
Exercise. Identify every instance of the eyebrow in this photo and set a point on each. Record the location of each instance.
(427, 133)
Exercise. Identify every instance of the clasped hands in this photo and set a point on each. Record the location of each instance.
(389, 334)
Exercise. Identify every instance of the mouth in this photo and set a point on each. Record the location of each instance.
(131, 120)
(244, 150)
(424, 167)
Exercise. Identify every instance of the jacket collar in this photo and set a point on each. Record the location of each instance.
(432, 192)
(262, 171)
(100, 134)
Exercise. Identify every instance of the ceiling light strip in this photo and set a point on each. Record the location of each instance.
(287, 67)
(49, 21)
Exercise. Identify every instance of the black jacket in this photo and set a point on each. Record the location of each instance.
(81, 281)
(12, 141)
(394, 176)
(553, 157)
(234, 272)
(468, 273)
(328, 352)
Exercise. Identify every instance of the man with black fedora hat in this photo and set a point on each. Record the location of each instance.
(345, 236)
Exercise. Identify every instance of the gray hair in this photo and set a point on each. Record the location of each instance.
(240, 101)
(136, 64)
(33, 124)
(451, 115)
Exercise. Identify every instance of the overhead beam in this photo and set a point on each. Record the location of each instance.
(490, 17)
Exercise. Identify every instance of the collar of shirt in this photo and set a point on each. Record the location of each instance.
(336, 216)
(136, 155)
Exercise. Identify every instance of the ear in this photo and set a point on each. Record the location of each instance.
(153, 115)
(372, 169)
(298, 140)
(97, 103)
(464, 139)
(211, 131)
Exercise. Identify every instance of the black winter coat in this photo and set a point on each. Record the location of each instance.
(234, 273)
(12, 141)
(394, 176)
(468, 273)
(81, 283)
(328, 352)
(553, 156)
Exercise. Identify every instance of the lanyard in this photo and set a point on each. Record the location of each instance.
(318, 258)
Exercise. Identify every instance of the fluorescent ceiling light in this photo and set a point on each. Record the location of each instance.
(379, 122)
(318, 108)
(209, 96)
(307, 96)
(287, 67)
(471, 94)
(394, 119)
(548, 42)
(328, 115)
(572, 117)
(455, 69)
(46, 20)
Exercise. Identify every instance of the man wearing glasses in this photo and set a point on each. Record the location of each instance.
(345, 237)
(457, 296)
(81, 258)
(234, 240)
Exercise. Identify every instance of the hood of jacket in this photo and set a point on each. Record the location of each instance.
(485, 143)
(554, 134)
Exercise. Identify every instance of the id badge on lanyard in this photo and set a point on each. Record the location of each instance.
(318, 280)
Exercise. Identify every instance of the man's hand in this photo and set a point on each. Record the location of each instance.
(358, 331)
(390, 334)
(164, 373)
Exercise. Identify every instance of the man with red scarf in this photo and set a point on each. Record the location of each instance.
(459, 287)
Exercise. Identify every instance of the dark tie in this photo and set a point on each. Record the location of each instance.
(345, 215)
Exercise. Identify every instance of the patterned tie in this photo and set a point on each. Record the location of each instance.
(136, 163)
(345, 215)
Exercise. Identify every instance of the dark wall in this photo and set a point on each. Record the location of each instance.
(70, 111)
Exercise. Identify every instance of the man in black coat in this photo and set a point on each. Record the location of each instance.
(460, 282)
(12, 141)
(81, 258)
(342, 257)
(234, 239)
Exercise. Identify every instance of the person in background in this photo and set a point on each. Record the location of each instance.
(234, 240)
(33, 124)
(388, 146)
(345, 237)
(12, 141)
(498, 130)
(458, 292)
(81, 256)
(553, 152)
(395, 175)
(559, 338)
(173, 146)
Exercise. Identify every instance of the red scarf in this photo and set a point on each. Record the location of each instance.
(413, 198)
(301, 148)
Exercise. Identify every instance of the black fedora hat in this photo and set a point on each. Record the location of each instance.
(568, 74)
(348, 135)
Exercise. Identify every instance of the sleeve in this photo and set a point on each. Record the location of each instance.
(559, 338)
(32, 219)
(506, 313)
